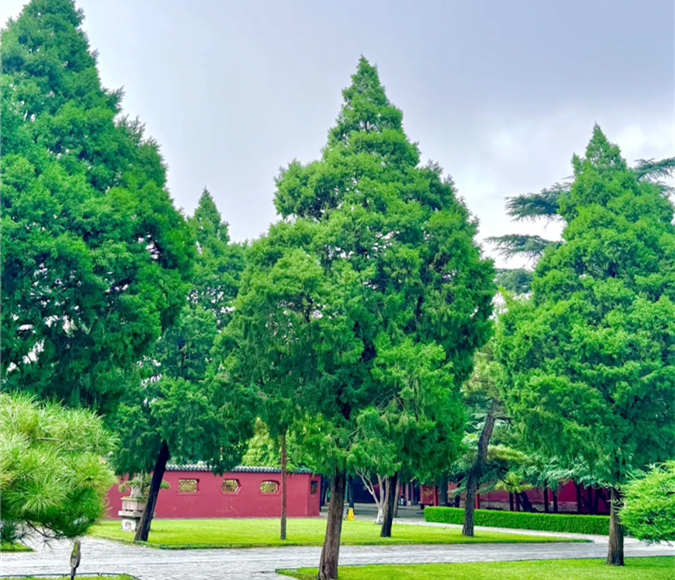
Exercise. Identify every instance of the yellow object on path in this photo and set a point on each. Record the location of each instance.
(350, 515)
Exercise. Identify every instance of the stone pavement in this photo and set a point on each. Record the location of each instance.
(260, 563)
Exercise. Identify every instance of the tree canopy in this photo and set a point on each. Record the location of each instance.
(95, 257)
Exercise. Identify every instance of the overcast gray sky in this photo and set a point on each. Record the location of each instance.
(499, 93)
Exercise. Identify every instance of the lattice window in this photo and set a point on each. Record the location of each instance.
(269, 486)
(230, 486)
(188, 485)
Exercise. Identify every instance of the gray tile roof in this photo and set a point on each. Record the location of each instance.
(238, 469)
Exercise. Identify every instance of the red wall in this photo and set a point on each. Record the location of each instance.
(567, 499)
(247, 502)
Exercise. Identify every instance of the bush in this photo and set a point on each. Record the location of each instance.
(577, 524)
(649, 505)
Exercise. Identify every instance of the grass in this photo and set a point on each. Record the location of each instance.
(248, 533)
(653, 568)
(15, 547)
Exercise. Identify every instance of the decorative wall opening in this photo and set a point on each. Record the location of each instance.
(269, 486)
(313, 487)
(188, 485)
(230, 486)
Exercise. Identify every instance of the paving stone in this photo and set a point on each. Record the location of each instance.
(260, 563)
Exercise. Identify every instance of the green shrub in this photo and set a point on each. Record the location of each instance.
(577, 524)
(649, 505)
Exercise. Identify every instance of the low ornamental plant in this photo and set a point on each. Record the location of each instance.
(572, 523)
(649, 505)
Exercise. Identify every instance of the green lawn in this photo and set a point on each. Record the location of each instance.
(241, 532)
(7, 547)
(655, 568)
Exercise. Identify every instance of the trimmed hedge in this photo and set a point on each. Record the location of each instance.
(570, 523)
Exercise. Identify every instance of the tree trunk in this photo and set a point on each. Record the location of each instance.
(157, 475)
(443, 491)
(476, 471)
(525, 502)
(517, 497)
(322, 499)
(390, 500)
(545, 499)
(511, 508)
(396, 495)
(328, 565)
(555, 501)
(350, 490)
(591, 503)
(615, 552)
(579, 501)
(469, 505)
(282, 535)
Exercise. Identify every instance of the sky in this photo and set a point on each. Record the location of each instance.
(500, 94)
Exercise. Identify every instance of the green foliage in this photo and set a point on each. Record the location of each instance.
(220, 262)
(573, 523)
(365, 305)
(95, 257)
(172, 399)
(263, 450)
(515, 244)
(53, 478)
(515, 280)
(139, 485)
(544, 204)
(590, 358)
(649, 505)
(14, 547)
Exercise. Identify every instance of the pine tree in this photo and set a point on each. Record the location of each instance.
(590, 359)
(95, 257)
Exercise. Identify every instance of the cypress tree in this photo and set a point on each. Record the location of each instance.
(590, 358)
(364, 306)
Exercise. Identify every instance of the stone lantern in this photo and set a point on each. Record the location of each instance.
(132, 510)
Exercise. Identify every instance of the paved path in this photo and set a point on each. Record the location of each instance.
(260, 563)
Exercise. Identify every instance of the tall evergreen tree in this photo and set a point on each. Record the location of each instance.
(590, 358)
(95, 257)
(174, 411)
(217, 270)
(375, 260)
